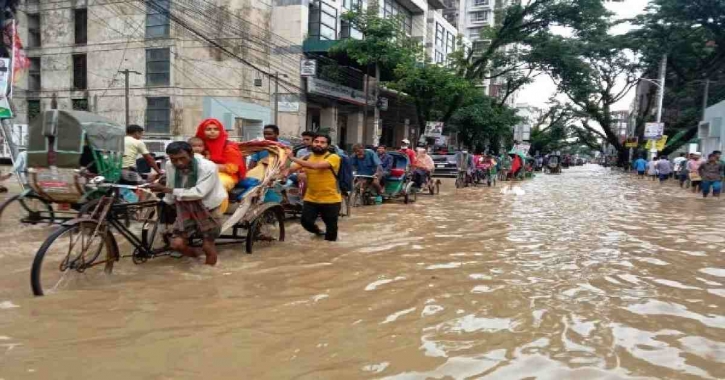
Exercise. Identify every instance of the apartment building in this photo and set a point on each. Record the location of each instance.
(336, 96)
(79, 51)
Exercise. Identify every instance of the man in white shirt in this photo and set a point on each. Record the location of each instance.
(133, 147)
(193, 186)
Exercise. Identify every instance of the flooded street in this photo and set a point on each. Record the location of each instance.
(591, 274)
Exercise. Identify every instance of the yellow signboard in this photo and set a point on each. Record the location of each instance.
(660, 143)
(631, 142)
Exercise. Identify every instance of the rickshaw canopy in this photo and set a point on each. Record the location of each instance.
(69, 131)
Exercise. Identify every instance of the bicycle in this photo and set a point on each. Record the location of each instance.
(91, 243)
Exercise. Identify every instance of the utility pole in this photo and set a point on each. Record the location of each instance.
(126, 74)
(276, 96)
(704, 98)
(660, 100)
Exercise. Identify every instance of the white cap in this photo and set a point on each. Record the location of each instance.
(697, 154)
(406, 141)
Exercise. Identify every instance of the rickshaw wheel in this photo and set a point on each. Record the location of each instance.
(266, 229)
(68, 254)
(34, 209)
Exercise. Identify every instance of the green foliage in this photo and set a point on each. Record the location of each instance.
(692, 34)
(482, 122)
(553, 130)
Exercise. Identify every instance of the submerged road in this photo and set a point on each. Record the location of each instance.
(591, 274)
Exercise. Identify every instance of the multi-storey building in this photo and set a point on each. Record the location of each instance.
(79, 51)
(186, 60)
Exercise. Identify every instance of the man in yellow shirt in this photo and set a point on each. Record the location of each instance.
(322, 197)
(133, 147)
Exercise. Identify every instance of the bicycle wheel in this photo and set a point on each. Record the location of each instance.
(28, 208)
(266, 229)
(66, 258)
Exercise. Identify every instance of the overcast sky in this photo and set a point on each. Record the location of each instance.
(539, 92)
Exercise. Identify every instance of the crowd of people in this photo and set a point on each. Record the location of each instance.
(689, 170)
(201, 171)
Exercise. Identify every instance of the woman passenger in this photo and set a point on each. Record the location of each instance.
(222, 152)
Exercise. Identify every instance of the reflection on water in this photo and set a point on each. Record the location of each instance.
(585, 275)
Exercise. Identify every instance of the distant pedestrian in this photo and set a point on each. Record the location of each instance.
(711, 174)
(693, 168)
(641, 166)
(682, 172)
(652, 169)
(664, 168)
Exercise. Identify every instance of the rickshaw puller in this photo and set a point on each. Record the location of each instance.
(194, 187)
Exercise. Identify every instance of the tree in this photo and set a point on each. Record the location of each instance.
(595, 71)
(483, 123)
(552, 129)
(692, 34)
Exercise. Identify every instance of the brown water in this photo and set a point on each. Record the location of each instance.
(586, 275)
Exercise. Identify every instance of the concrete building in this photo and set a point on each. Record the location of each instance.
(711, 132)
(620, 123)
(531, 116)
(77, 49)
(336, 94)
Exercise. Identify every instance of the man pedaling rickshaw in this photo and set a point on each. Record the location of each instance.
(423, 167)
(366, 163)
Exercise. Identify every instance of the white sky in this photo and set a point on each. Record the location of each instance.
(539, 92)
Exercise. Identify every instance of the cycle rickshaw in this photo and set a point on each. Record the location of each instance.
(65, 148)
(79, 245)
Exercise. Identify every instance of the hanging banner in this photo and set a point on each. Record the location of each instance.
(308, 68)
(5, 112)
(660, 144)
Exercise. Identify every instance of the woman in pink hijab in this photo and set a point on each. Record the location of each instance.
(422, 168)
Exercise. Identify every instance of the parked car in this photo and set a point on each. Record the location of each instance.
(445, 165)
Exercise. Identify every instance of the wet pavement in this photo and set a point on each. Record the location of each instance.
(591, 274)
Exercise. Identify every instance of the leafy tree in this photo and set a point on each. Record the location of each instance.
(552, 130)
(595, 71)
(692, 34)
(483, 123)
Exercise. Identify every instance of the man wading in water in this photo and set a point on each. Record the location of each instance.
(193, 186)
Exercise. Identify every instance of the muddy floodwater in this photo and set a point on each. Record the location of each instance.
(591, 274)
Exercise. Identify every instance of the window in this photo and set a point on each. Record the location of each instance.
(323, 21)
(475, 33)
(33, 109)
(440, 35)
(33, 30)
(80, 69)
(158, 115)
(157, 23)
(391, 8)
(480, 3)
(80, 104)
(439, 57)
(480, 46)
(347, 31)
(81, 26)
(158, 67)
(450, 43)
(352, 5)
(34, 82)
(480, 16)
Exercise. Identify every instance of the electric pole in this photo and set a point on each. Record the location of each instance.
(276, 96)
(660, 100)
(126, 74)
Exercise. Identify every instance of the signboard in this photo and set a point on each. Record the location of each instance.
(308, 68)
(338, 91)
(660, 144)
(434, 129)
(5, 111)
(631, 142)
(523, 148)
(654, 131)
(289, 103)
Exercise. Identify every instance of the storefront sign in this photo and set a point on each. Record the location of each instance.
(632, 142)
(523, 148)
(654, 131)
(434, 129)
(338, 91)
(308, 68)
